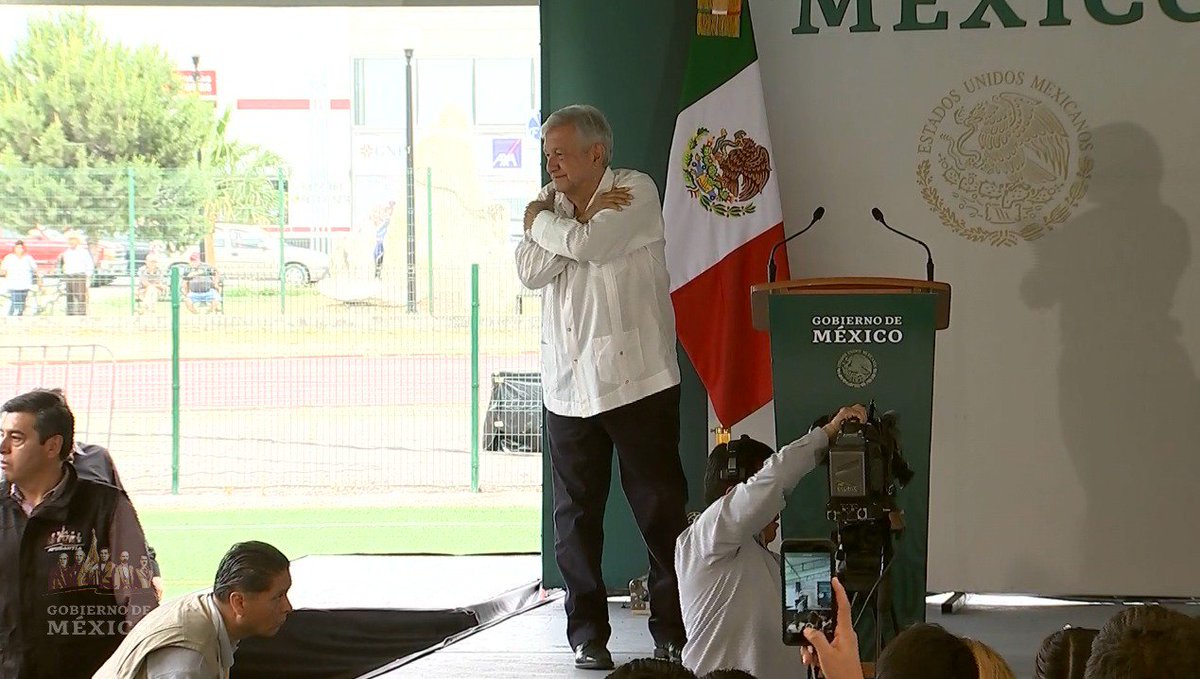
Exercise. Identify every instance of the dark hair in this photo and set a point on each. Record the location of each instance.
(651, 668)
(19, 242)
(248, 567)
(1143, 642)
(926, 650)
(52, 416)
(748, 455)
(1064, 654)
(728, 674)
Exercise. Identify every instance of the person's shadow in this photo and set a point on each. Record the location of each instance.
(1128, 395)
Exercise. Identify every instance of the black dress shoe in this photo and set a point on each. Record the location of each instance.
(671, 652)
(592, 655)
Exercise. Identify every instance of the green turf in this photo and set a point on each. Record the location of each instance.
(191, 542)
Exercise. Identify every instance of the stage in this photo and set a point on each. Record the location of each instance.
(462, 617)
(533, 644)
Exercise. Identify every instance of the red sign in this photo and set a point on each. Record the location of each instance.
(203, 83)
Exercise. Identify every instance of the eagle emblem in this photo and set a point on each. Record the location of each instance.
(1007, 162)
(725, 174)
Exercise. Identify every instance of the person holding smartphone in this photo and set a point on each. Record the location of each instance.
(729, 582)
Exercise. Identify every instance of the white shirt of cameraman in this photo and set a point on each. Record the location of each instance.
(729, 584)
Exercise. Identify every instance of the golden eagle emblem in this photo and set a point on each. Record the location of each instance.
(1001, 161)
(724, 174)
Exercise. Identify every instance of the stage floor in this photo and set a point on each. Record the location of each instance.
(533, 643)
(408, 581)
(522, 630)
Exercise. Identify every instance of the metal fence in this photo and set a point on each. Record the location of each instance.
(85, 373)
(342, 385)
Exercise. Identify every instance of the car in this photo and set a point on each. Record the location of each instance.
(47, 245)
(244, 251)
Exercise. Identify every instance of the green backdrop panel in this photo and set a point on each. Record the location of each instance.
(626, 57)
(822, 360)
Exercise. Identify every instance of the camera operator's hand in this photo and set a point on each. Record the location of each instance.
(837, 659)
(854, 412)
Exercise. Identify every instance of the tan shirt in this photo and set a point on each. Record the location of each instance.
(190, 622)
(177, 662)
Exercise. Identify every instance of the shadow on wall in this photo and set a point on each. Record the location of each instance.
(1128, 396)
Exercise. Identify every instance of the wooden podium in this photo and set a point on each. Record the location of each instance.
(838, 341)
(760, 294)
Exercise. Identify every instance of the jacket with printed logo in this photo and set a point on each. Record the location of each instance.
(60, 617)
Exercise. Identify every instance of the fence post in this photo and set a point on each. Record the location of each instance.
(282, 220)
(474, 378)
(132, 236)
(429, 232)
(174, 380)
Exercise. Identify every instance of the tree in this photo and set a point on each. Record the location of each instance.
(78, 113)
(247, 175)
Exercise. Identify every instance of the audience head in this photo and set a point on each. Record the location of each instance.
(924, 651)
(1064, 654)
(651, 668)
(728, 674)
(988, 662)
(1144, 642)
(732, 463)
(252, 583)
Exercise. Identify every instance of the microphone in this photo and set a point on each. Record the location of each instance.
(772, 269)
(878, 215)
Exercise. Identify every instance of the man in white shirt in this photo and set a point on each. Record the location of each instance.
(594, 244)
(77, 268)
(729, 582)
(20, 274)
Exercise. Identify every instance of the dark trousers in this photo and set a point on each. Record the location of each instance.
(77, 294)
(18, 302)
(646, 436)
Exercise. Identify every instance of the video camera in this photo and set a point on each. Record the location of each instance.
(866, 469)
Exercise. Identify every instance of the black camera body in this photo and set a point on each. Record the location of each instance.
(866, 469)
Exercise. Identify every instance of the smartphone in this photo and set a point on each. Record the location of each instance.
(808, 599)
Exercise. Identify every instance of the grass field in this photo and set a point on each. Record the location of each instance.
(190, 542)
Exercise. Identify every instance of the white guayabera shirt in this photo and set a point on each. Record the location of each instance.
(608, 327)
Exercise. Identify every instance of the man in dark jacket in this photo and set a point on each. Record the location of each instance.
(95, 463)
(46, 509)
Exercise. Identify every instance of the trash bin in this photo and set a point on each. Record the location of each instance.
(513, 423)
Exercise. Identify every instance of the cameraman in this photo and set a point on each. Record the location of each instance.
(729, 582)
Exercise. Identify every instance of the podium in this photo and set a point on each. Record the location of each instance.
(838, 341)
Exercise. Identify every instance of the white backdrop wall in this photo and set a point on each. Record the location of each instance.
(1066, 447)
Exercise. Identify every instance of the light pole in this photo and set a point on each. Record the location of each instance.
(196, 89)
(411, 262)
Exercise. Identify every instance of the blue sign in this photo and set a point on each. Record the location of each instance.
(506, 154)
(535, 126)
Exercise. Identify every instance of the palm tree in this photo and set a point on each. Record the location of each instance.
(245, 178)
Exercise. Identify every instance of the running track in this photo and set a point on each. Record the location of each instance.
(291, 382)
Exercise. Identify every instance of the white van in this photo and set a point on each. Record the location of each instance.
(244, 251)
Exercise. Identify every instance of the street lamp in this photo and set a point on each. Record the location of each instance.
(196, 73)
(196, 89)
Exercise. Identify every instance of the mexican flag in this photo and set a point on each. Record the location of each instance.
(722, 212)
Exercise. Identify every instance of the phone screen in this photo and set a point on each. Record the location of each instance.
(807, 592)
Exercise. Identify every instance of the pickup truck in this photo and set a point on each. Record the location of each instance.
(46, 245)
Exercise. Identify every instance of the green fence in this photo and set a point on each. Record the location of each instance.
(331, 384)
